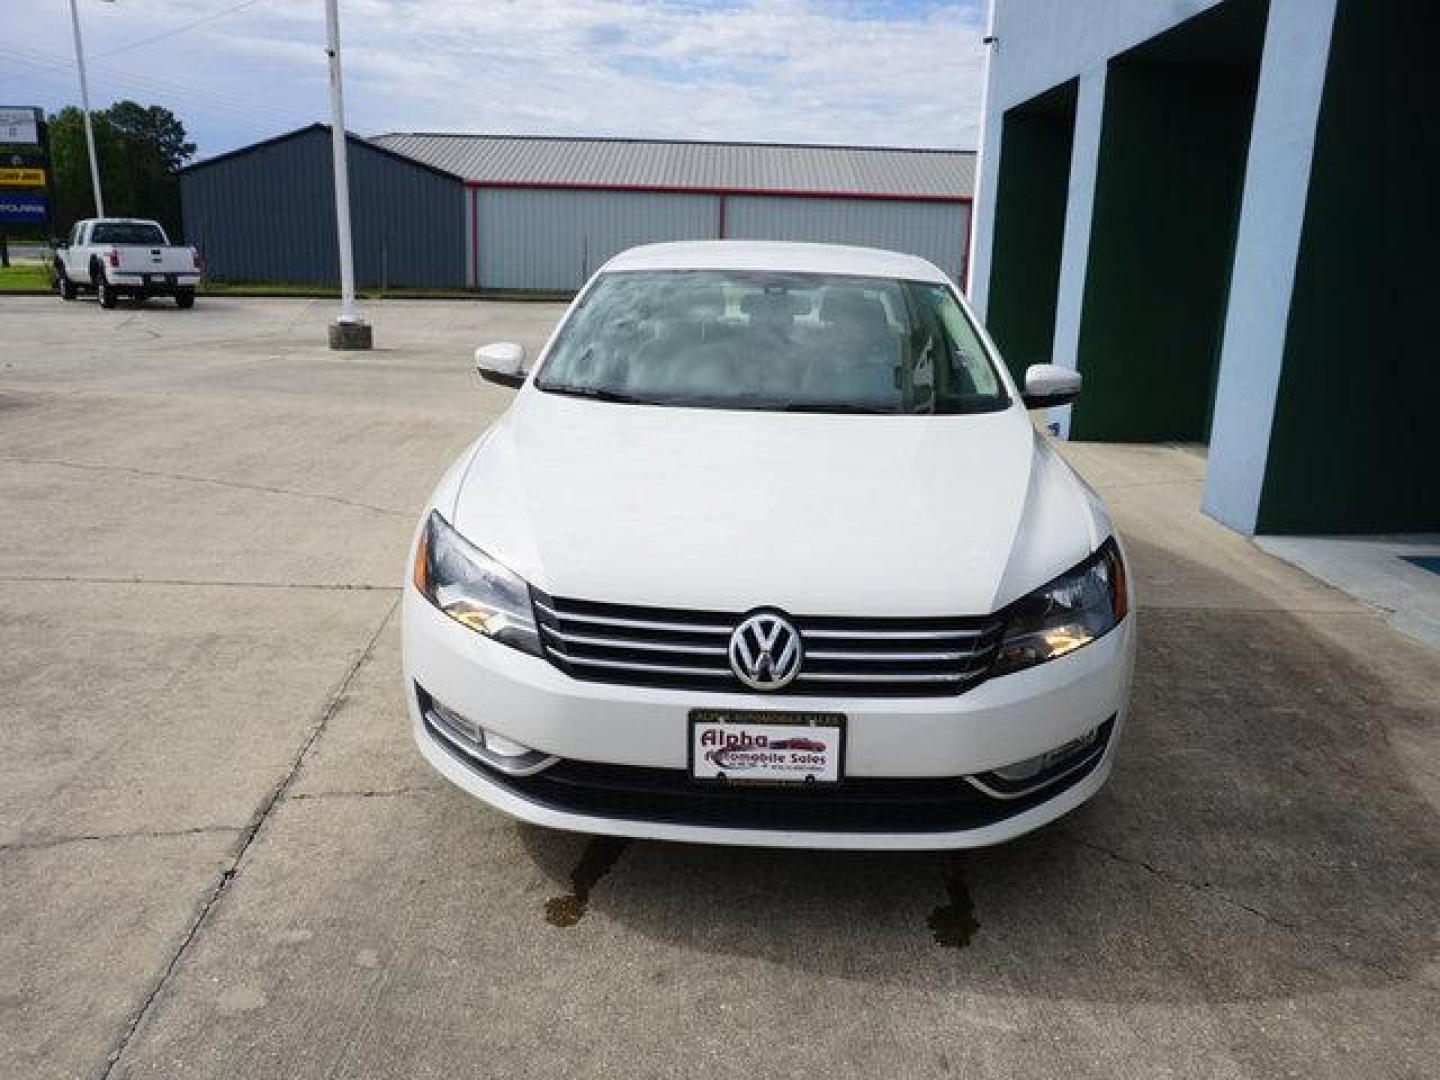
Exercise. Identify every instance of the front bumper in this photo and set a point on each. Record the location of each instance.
(629, 736)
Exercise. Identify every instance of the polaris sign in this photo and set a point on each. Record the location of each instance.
(18, 207)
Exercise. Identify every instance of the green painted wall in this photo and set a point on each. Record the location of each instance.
(1170, 175)
(1352, 446)
(1029, 227)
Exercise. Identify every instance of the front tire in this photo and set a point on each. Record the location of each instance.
(185, 299)
(105, 292)
(63, 285)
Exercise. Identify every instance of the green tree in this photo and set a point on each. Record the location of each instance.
(157, 127)
(140, 148)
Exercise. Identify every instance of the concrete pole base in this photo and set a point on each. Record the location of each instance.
(351, 335)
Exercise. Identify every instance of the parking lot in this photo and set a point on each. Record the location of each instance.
(221, 856)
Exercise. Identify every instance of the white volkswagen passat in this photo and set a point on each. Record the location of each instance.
(767, 551)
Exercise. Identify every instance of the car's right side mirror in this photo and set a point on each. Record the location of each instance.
(1050, 384)
(503, 363)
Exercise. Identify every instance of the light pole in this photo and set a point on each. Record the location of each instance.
(350, 331)
(85, 106)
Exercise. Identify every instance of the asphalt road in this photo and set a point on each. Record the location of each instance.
(220, 855)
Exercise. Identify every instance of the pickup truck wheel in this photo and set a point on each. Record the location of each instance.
(63, 285)
(185, 298)
(105, 292)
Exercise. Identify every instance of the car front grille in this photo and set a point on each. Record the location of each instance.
(849, 657)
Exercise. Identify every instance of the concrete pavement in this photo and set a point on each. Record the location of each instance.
(221, 856)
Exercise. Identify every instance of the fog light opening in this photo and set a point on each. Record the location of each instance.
(469, 731)
(1021, 771)
(460, 733)
(1033, 773)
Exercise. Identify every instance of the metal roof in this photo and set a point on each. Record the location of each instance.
(697, 166)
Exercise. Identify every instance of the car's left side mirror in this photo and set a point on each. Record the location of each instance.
(503, 363)
(1050, 384)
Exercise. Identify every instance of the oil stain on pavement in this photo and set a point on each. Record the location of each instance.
(599, 856)
(953, 925)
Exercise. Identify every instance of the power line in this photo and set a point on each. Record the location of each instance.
(193, 101)
(178, 29)
(247, 107)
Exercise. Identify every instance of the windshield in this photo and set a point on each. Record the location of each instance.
(139, 233)
(776, 341)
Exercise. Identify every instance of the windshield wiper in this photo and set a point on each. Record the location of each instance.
(858, 407)
(595, 393)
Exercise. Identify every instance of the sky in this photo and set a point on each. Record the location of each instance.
(868, 72)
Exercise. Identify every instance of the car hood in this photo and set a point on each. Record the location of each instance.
(729, 510)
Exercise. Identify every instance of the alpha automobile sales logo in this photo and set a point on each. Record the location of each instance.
(742, 750)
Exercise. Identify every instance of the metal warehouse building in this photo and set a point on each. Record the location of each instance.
(266, 213)
(1223, 214)
(516, 213)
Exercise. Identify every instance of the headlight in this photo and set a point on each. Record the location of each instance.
(472, 588)
(1068, 613)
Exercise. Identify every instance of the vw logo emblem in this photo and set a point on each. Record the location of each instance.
(766, 652)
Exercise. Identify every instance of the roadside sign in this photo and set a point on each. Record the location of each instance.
(13, 178)
(19, 125)
(24, 171)
(23, 208)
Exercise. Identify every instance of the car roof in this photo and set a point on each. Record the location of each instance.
(775, 255)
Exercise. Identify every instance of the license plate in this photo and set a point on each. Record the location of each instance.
(155, 279)
(766, 747)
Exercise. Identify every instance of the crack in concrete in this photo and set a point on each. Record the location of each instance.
(235, 485)
(369, 793)
(21, 579)
(1204, 609)
(135, 834)
(242, 849)
(1205, 888)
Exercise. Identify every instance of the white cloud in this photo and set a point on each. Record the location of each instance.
(808, 70)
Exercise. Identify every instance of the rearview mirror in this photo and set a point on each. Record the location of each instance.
(503, 363)
(1050, 384)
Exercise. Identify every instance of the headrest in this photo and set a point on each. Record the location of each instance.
(848, 305)
(772, 306)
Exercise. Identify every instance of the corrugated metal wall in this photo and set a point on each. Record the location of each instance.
(548, 238)
(268, 214)
(936, 231)
(538, 238)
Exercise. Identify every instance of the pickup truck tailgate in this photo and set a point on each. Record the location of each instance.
(155, 260)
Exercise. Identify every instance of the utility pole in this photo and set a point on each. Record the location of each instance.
(350, 331)
(85, 106)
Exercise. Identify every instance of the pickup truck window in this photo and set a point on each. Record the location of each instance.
(75, 234)
(138, 233)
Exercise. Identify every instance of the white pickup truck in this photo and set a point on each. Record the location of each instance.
(125, 257)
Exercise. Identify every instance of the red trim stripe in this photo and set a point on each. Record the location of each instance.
(475, 235)
(964, 281)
